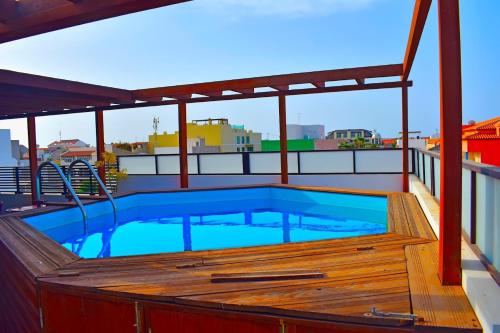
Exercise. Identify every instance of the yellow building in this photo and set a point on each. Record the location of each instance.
(208, 135)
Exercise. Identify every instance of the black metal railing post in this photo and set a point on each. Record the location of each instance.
(433, 178)
(65, 189)
(354, 161)
(18, 185)
(246, 163)
(91, 186)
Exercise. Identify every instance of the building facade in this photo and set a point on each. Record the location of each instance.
(481, 141)
(292, 145)
(210, 135)
(349, 135)
(6, 158)
(305, 132)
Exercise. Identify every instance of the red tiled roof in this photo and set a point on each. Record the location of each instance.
(479, 136)
(70, 141)
(78, 153)
(489, 124)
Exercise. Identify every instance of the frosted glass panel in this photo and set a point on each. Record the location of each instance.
(326, 162)
(488, 218)
(427, 168)
(437, 177)
(221, 164)
(169, 165)
(141, 165)
(466, 200)
(374, 161)
(269, 163)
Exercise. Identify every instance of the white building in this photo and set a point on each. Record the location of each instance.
(300, 132)
(72, 143)
(413, 143)
(87, 154)
(6, 158)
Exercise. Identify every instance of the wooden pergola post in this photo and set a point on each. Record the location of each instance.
(450, 224)
(32, 157)
(183, 157)
(404, 138)
(99, 134)
(283, 140)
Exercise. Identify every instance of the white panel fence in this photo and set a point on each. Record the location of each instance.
(362, 161)
(480, 201)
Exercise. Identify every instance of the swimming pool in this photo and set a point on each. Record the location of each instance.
(150, 223)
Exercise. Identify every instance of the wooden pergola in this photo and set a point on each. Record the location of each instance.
(29, 96)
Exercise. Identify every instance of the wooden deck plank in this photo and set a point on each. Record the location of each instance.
(419, 226)
(395, 272)
(261, 253)
(437, 305)
(398, 214)
(199, 277)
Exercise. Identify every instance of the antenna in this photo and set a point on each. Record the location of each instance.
(156, 121)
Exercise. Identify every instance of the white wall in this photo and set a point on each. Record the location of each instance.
(6, 159)
(164, 182)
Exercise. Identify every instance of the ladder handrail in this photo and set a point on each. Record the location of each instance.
(68, 185)
(99, 181)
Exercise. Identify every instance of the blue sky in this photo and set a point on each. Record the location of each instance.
(208, 40)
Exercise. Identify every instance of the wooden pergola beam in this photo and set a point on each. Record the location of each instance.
(8, 10)
(25, 80)
(277, 81)
(264, 94)
(420, 13)
(450, 75)
(34, 17)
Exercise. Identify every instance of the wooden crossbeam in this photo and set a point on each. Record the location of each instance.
(274, 81)
(319, 84)
(210, 93)
(281, 88)
(35, 17)
(360, 81)
(24, 80)
(263, 94)
(420, 13)
(8, 10)
(244, 91)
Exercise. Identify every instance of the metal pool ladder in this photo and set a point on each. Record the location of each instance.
(66, 183)
(99, 181)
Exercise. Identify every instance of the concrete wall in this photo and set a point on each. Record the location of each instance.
(382, 182)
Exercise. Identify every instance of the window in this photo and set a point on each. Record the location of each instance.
(248, 139)
(238, 140)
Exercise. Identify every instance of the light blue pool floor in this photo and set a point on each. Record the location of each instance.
(213, 219)
(206, 232)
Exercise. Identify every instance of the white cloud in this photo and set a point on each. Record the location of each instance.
(287, 7)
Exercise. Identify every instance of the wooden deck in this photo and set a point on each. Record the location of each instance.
(395, 272)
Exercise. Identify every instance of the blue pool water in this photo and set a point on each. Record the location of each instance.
(213, 219)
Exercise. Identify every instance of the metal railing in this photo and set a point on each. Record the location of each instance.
(17, 180)
(480, 201)
(66, 182)
(92, 171)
